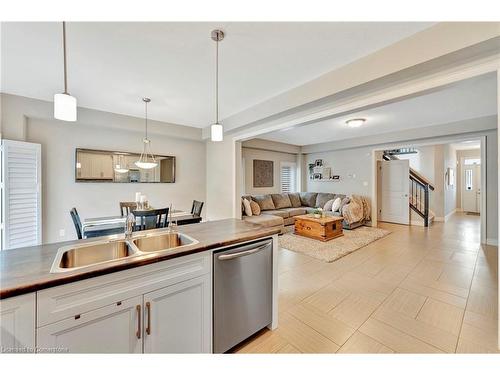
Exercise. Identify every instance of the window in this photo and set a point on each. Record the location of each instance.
(468, 179)
(472, 161)
(287, 177)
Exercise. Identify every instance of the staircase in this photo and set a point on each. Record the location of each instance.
(420, 189)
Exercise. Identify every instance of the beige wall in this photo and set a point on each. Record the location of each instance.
(59, 139)
(250, 154)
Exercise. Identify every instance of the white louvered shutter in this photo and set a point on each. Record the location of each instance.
(21, 194)
(288, 177)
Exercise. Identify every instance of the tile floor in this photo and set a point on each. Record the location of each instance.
(418, 290)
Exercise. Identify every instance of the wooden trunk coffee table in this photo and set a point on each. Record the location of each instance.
(323, 229)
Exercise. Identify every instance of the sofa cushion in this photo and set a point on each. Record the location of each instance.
(281, 213)
(281, 201)
(322, 198)
(308, 199)
(295, 199)
(309, 210)
(265, 220)
(345, 200)
(295, 211)
(265, 202)
(255, 208)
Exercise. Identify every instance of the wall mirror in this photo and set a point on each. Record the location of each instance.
(119, 167)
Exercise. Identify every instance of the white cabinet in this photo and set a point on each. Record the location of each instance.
(177, 319)
(115, 328)
(17, 323)
(94, 166)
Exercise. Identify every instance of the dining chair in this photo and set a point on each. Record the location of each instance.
(197, 207)
(126, 207)
(77, 222)
(151, 218)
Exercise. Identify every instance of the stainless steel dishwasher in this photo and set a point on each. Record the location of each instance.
(242, 293)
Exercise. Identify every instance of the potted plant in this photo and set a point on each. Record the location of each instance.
(318, 212)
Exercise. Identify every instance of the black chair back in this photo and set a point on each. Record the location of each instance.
(126, 207)
(77, 222)
(151, 219)
(197, 207)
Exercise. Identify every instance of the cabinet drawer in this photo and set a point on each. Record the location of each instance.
(68, 300)
(116, 328)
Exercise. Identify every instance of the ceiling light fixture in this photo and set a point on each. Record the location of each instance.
(65, 104)
(147, 159)
(355, 122)
(216, 130)
(120, 167)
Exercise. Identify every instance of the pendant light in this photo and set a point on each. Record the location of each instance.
(147, 159)
(65, 104)
(216, 130)
(120, 167)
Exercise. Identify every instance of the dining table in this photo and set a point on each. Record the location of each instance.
(108, 225)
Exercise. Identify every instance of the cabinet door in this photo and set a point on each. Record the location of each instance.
(17, 323)
(177, 318)
(115, 328)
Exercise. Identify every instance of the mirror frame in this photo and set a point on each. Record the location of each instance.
(126, 153)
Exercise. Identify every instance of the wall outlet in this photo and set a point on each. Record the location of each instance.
(62, 233)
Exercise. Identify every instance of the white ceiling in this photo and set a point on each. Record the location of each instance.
(467, 99)
(112, 65)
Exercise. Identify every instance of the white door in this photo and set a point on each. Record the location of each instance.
(395, 203)
(471, 188)
(114, 328)
(177, 319)
(21, 194)
(17, 323)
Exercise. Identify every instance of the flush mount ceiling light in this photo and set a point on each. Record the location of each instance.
(65, 104)
(355, 122)
(147, 159)
(216, 130)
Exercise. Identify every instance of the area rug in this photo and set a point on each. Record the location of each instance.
(332, 250)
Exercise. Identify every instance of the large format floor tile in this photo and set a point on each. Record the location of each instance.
(418, 290)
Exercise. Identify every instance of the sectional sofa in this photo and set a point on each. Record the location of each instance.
(280, 209)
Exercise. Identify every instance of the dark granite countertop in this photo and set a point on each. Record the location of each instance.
(27, 269)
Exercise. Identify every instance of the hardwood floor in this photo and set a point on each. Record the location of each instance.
(417, 290)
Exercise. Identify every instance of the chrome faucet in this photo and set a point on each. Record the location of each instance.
(171, 225)
(129, 225)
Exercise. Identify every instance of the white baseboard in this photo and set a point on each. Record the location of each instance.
(447, 217)
(492, 241)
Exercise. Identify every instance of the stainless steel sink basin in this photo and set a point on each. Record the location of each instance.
(72, 257)
(159, 242)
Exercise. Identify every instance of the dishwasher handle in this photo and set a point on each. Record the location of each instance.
(242, 253)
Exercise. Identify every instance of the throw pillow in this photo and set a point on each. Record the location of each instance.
(255, 208)
(336, 204)
(345, 200)
(294, 199)
(328, 205)
(265, 202)
(248, 208)
(281, 201)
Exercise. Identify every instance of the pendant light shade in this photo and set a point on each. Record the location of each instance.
(65, 107)
(147, 159)
(65, 104)
(216, 130)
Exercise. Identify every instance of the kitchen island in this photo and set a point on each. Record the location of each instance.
(145, 301)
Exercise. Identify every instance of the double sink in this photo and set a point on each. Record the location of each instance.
(74, 257)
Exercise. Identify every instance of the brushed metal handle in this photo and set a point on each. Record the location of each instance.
(138, 333)
(148, 308)
(242, 253)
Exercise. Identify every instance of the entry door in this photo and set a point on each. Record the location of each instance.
(471, 188)
(395, 204)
